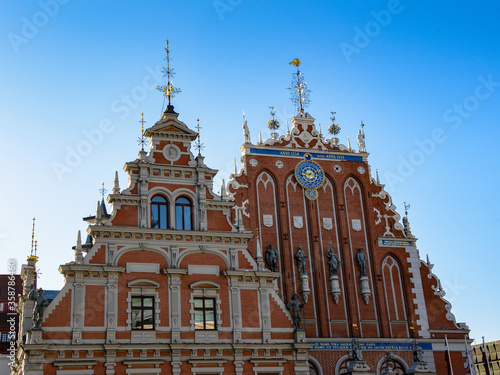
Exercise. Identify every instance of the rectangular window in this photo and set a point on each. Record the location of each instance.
(143, 313)
(204, 313)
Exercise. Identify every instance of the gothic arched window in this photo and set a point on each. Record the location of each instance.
(159, 212)
(183, 214)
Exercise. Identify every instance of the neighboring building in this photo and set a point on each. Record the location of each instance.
(493, 350)
(10, 288)
(179, 280)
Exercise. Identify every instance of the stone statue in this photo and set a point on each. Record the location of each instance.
(246, 132)
(294, 307)
(361, 141)
(418, 354)
(272, 258)
(40, 304)
(361, 259)
(333, 260)
(356, 352)
(301, 261)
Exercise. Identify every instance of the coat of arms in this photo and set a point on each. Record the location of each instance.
(356, 224)
(327, 223)
(267, 220)
(298, 222)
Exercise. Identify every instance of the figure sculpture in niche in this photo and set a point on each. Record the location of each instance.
(294, 307)
(333, 261)
(361, 259)
(272, 258)
(301, 261)
(40, 304)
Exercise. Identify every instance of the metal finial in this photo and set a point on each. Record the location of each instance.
(235, 171)
(169, 91)
(320, 132)
(199, 146)
(333, 129)
(299, 93)
(407, 206)
(141, 140)
(103, 191)
(273, 124)
(243, 114)
(32, 237)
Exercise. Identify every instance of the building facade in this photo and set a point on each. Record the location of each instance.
(300, 266)
(492, 355)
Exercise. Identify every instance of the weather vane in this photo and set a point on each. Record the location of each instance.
(199, 146)
(273, 124)
(141, 140)
(407, 207)
(299, 93)
(333, 129)
(169, 91)
(103, 191)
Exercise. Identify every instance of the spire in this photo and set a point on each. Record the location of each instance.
(32, 257)
(235, 171)
(273, 124)
(78, 249)
(141, 140)
(378, 180)
(260, 138)
(116, 186)
(169, 91)
(349, 144)
(199, 146)
(98, 211)
(223, 192)
(287, 128)
(299, 93)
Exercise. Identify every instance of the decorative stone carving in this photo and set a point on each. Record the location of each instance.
(327, 223)
(253, 162)
(357, 365)
(298, 222)
(267, 220)
(356, 225)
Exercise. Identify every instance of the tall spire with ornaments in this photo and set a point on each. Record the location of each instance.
(169, 90)
(299, 93)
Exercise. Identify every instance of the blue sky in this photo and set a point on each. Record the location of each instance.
(423, 76)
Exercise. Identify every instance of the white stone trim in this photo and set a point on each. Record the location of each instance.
(418, 290)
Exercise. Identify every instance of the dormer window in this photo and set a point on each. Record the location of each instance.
(159, 212)
(183, 214)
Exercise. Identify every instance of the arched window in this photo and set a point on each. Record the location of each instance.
(183, 214)
(159, 212)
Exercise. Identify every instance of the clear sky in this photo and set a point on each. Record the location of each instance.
(422, 75)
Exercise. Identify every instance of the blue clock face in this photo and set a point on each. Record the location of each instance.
(309, 174)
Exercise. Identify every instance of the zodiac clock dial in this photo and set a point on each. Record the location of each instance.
(310, 176)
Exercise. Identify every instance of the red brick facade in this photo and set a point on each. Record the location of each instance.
(175, 279)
